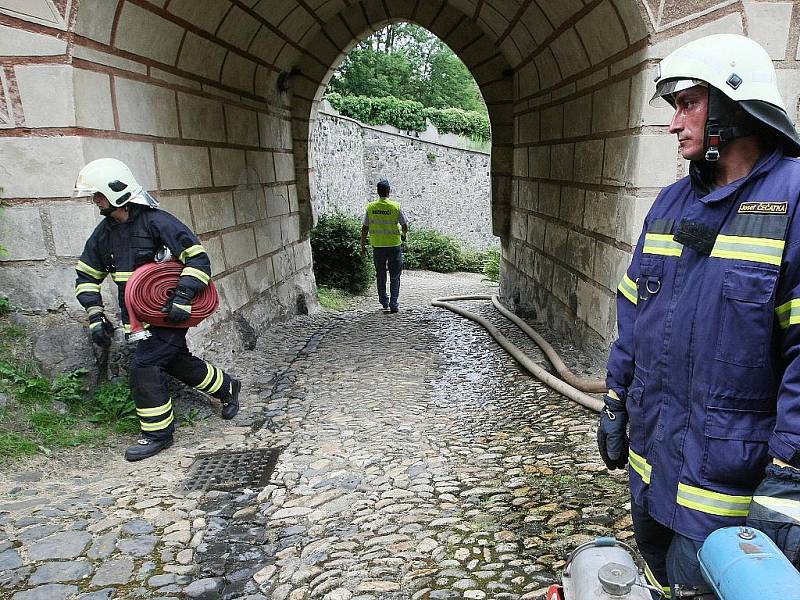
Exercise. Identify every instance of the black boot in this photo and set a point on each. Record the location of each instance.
(146, 447)
(230, 405)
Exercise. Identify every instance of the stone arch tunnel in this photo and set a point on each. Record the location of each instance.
(212, 102)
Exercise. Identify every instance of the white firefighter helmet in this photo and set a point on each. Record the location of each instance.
(738, 68)
(113, 179)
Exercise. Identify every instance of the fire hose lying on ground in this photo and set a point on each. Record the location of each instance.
(738, 563)
(148, 290)
(569, 385)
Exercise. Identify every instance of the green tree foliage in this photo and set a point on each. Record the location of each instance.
(410, 63)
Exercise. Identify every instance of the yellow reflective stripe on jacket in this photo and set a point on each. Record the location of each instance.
(661, 243)
(190, 252)
(196, 273)
(640, 465)
(155, 412)
(90, 271)
(788, 313)
(749, 248)
(157, 426)
(627, 287)
(785, 506)
(87, 288)
(651, 579)
(713, 503)
(120, 276)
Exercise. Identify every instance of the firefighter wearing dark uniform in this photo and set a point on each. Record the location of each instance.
(706, 368)
(133, 233)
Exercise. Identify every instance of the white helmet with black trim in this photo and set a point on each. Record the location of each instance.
(113, 179)
(735, 68)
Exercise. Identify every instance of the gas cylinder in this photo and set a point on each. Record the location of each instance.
(602, 569)
(741, 563)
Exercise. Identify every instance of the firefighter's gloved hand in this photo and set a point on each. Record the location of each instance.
(612, 438)
(102, 330)
(775, 509)
(179, 305)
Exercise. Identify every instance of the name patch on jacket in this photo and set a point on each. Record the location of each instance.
(375, 211)
(764, 208)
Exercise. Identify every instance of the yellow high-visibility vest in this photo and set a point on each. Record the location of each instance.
(383, 217)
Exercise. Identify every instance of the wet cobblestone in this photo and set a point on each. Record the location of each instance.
(417, 462)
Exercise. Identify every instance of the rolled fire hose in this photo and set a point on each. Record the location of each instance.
(148, 290)
(570, 390)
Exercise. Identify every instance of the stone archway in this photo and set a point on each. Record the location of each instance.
(539, 66)
(194, 95)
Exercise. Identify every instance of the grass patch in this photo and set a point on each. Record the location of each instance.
(191, 418)
(42, 414)
(114, 407)
(333, 298)
(491, 265)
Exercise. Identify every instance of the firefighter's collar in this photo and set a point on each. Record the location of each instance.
(763, 166)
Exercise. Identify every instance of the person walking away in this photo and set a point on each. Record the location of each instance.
(706, 367)
(387, 227)
(133, 232)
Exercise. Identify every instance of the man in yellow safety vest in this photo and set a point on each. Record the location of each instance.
(387, 228)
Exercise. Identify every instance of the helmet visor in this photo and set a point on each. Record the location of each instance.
(667, 88)
(83, 189)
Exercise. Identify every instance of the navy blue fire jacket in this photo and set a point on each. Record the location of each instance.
(119, 248)
(708, 353)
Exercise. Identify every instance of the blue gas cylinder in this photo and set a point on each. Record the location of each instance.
(741, 563)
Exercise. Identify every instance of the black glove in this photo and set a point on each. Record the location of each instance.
(101, 329)
(179, 305)
(775, 510)
(612, 438)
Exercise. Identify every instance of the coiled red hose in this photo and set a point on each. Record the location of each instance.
(148, 290)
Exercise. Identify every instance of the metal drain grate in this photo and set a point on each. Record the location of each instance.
(230, 471)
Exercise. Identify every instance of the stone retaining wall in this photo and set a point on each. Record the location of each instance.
(440, 186)
(214, 105)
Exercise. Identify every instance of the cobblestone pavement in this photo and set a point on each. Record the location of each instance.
(416, 462)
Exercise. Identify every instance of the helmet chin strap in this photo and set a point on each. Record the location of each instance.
(107, 212)
(722, 125)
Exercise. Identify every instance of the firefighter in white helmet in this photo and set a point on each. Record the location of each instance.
(132, 234)
(706, 368)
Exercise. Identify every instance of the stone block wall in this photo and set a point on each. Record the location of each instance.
(439, 186)
(591, 154)
(186, 96)
(213, 104)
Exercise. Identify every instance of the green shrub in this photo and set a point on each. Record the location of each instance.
(469, 124)
(471, 260)
(411, 115)
(491, 267)
(336, 246)
(5, 306)
(431, 250)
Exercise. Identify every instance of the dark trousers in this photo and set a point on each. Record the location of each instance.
(165, 351)
(671, 559)
(391, 259)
